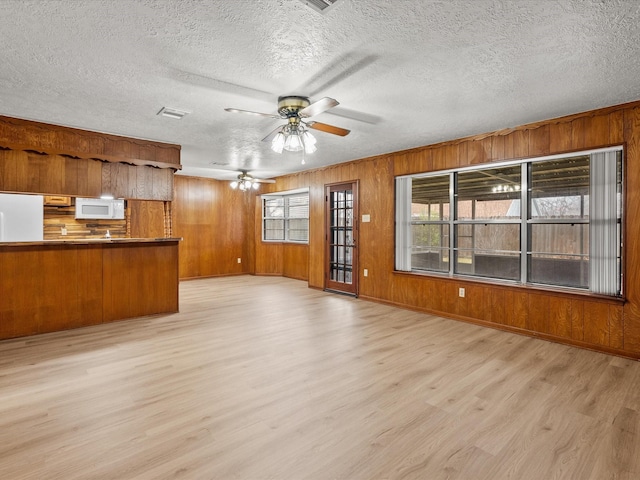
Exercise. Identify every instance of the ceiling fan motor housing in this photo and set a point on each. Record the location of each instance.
(289, 106)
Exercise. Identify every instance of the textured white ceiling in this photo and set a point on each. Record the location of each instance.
(406, 72)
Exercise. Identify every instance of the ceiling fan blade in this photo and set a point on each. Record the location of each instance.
(320, 106)
(337, 71)
(258, 114)
(271, 136)
(264, 180)
(323, 127)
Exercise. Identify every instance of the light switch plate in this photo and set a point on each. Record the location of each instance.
(366, 218)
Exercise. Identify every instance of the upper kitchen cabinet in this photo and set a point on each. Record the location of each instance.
(57, 201)
(52, 160)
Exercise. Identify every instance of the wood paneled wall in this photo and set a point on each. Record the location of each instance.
(285, 259)
(606, 325)
(216, 224)
(149, 219)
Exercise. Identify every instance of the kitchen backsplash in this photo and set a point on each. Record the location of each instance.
(56, 219)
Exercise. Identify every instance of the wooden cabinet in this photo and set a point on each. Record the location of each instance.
(57, 200)
(51, 286)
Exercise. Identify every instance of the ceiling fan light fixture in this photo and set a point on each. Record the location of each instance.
(293, 143)
(277, 143)
(309, 147)
(246, 182)
(294, 136)
(308, 138)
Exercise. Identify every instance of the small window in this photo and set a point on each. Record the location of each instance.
(285, 217)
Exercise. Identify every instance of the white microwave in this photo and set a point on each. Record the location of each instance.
(98, 208)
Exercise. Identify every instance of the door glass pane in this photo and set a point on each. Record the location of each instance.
(341, 204)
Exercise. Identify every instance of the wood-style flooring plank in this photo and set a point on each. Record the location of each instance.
(264, 378)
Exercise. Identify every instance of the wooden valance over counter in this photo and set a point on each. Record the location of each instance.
(44, 138)
(54, 160)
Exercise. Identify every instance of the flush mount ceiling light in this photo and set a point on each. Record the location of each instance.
(172, 113)
(295, 135)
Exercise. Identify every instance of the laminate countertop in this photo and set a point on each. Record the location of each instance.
(89, 241)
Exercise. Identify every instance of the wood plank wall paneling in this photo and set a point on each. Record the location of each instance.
(44, 137)
(632, 229)
(212, 219)
(295, 261)
(147, 219)
(286, 259)
(602, 324)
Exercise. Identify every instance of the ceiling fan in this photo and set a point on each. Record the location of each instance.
(294, 135)
(247, 182)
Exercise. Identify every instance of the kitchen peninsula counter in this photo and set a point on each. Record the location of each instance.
(89, 241)
(53, 285)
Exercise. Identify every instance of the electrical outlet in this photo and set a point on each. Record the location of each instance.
(461, 292)
(63, 231)
(366, 272)
(239, 260)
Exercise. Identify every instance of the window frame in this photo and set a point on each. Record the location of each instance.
(405, 248)
(458, 222)
(286, 218)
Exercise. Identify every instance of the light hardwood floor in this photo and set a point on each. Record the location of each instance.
(263, 378)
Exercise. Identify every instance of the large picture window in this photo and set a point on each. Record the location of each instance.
(550, 221)
(285, 217)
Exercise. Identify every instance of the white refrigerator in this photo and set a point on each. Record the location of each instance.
(21, 217)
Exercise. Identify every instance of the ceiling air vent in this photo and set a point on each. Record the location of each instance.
(172, 113)
(319, 5)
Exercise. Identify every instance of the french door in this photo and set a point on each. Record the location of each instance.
(341, 264)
